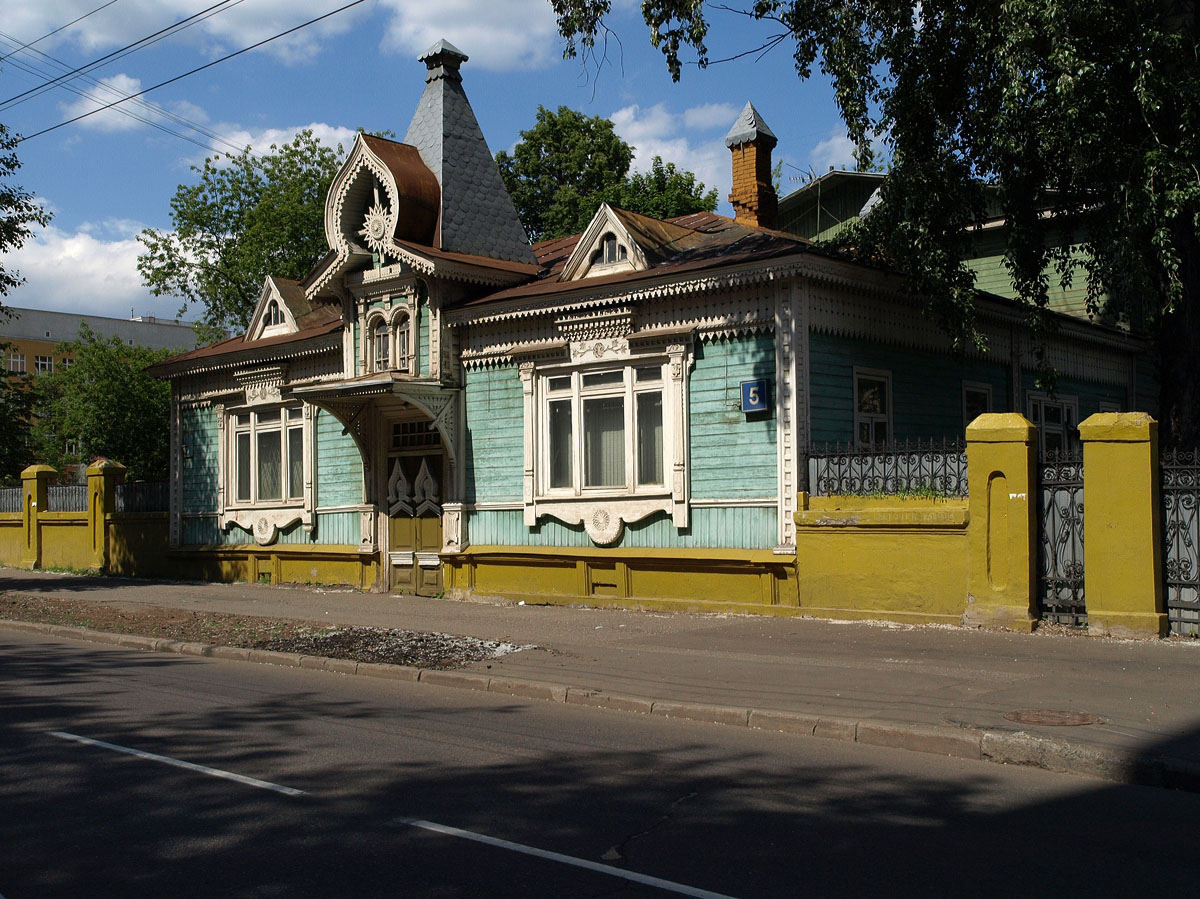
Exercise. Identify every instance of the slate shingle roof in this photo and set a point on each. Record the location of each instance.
(748, 127)
(477, 215)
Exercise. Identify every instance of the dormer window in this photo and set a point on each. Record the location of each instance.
(610, 251)
(380, 345)
(274, 315)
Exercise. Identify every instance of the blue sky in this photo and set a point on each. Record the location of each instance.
(110, 175)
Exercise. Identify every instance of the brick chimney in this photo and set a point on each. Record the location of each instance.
(753, 196)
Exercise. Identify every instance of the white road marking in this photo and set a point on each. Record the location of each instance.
(671, 886)
(189, 766)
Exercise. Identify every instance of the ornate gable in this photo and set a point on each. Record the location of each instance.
(605, 248)
(275, 315)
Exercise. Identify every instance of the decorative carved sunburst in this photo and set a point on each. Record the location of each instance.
(377, 225)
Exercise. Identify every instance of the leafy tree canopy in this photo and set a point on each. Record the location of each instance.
(567, 164)
(18, 211)
(107, 405)
(248, 217)
(16, 406)
(1081, 115)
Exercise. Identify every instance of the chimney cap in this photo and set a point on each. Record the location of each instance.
(749, 128)
(443, 53)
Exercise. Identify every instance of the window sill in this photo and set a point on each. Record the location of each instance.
(604, 516)
(265, 522)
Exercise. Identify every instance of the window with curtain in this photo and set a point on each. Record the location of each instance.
(267, 448)
(603, 431)
(380, 346)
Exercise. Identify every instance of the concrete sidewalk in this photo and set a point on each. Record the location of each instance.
(926, 688)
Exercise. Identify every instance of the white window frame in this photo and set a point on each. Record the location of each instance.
(264, 517)
(401, 338)
(16, 362)
(604, 511)
(1035, 406)
(872, 418)
(43, 365)
(975, 387)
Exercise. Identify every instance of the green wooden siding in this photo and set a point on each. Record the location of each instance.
(733, 455)
(926, 388)
(1089, 394)
(339, 471)
(495, 446)
(332, 529)
(421, 350)
(745, 528)
(991, 274)
(199, 435)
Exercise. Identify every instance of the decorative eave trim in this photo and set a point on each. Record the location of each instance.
(313, 347)
(455, 271)
(585, 295)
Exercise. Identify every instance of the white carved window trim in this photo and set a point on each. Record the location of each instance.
(870, 418)
(1064, 430)
(610, 257)
(979, 389)
(265, 517)
(604, 511)
(401, 339)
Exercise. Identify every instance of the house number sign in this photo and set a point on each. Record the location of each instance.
(754, 396)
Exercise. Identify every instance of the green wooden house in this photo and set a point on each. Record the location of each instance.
(623, 415)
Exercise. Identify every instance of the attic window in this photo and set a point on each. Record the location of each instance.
(274, 315)
(610, 251)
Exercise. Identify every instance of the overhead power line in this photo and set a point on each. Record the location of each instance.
(208, 65)
(115, 54)
(57, 30)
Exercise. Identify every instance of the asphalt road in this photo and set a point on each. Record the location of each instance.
(585, 802)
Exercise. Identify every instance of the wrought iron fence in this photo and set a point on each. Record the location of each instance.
(1179, 474)
(67, 498)
(1060, 537)
(10, 499)
(932, 467)
(142, 496)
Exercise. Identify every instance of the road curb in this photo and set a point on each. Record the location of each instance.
(999, 747)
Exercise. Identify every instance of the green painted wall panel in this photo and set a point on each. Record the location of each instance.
(199, 434)
(732, 454)
(738, 528)
(926, 388)
(495, 443)
(339, 470)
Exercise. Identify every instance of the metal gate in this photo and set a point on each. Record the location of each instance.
(1180, 495)
(1060, 537)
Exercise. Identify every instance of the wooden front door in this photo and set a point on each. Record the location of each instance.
(415, 488)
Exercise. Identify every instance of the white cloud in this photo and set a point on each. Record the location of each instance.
(657, 131)
(514, 34)
(92, 271)
(711, 115)
(260, 141)
(837, 151)
(115, 119)
(496, 34)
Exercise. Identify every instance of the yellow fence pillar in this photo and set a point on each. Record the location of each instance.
(35, 485)
(1002, 532)
(1122, 533)
(103, 476)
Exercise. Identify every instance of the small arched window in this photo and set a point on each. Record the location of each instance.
(403, 342)
(610, 251)
(274, 314)
(380, 345)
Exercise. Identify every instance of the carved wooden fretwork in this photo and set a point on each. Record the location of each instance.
(598, 324)
(265, 524)
(262, 385)
(454, 528)
(379, 223)
(595, 350)
(425, 491)
(399, 495)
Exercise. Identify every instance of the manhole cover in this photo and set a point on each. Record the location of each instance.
(1052, 717)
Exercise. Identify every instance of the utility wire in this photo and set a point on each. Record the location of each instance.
(56, 30)
(149, 109)
(163, 32)
(208, 65)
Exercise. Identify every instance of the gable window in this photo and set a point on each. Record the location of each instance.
(380, 345)
(872, 407)
(603, 431)
(610, 252)
(274, 315)
(977, 400)
(267, 451)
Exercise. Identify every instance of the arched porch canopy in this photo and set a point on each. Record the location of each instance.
(348, 401)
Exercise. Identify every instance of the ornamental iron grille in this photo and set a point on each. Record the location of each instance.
(921, 467)
(1179, 477)
(1060, 537)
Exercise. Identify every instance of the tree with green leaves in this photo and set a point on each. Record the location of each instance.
(567, 164)
(248, 217)
(16, 407)
(18, 211)
(1076, 115)
(105, 404)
